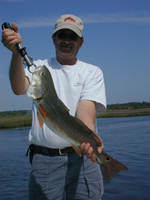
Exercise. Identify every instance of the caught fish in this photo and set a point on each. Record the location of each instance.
(53, 112)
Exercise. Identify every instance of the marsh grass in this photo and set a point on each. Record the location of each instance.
(17, 121)
(125, 113)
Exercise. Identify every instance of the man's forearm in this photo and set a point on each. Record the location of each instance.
(86, 112)
(17, 75)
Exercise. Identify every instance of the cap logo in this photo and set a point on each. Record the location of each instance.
(69, 18)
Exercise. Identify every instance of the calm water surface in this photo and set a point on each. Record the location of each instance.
(126, 139)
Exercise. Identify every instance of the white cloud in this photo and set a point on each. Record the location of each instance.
(115, 18)
(89, 18)
(36, 22)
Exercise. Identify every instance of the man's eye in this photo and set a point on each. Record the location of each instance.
(73, 37)
(61, 36)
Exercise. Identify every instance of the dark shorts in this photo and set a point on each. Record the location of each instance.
(65, 177)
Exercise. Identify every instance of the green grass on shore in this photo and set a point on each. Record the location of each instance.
(125, 113)
(11, 121)
(15, 121)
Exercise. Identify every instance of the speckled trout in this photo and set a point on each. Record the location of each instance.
(52, 111)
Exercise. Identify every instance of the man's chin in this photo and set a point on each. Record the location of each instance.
(66, 50)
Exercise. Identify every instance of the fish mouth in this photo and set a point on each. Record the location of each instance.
(39, 98)
(36, 69)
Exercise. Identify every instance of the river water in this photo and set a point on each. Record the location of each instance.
(126, 139)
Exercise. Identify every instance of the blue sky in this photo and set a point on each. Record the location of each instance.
(116, 38)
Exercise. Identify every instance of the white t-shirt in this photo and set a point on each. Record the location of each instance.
(73, 83)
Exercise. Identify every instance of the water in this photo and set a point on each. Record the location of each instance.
(14, 166)
(126, 139)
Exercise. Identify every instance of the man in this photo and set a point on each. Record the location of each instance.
(58, 173)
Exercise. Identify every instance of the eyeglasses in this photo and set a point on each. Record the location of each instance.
(63, 36)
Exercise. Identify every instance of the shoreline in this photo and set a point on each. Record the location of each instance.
(9, 122)
(125, 113)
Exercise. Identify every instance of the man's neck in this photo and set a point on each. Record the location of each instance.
(66, 61)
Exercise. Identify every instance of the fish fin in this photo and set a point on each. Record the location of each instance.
(40, 121)
(81, 123)
(43, 111)
(78, 151)
(96, 138)
(94, 135)
(110, 166)
(63, 105)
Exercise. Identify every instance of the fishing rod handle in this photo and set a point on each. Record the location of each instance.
(6, 25)
(21, 50)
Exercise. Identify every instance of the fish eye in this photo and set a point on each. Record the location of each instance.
(42, 74)
(107, 158)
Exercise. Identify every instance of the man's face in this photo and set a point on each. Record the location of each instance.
(67, 44)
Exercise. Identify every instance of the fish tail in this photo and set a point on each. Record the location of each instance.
(110, 166)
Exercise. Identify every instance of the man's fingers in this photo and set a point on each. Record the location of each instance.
(14, 27)
(85, 148)
(100, 148)
(93, 158)
(88, 151)
(9, 39)
(82, 146)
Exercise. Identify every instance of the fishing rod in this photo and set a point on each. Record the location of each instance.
(21, 50)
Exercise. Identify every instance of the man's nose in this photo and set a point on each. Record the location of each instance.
(67, 39)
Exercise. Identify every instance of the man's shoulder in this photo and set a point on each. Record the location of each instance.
(89, 67)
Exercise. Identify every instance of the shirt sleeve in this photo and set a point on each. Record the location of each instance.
(94, 89)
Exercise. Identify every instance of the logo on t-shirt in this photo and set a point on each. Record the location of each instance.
(78, 84)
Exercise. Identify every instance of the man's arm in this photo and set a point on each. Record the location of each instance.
(86, 112)
(19, 82)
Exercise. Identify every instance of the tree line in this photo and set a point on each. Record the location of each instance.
(15, 113)
(129, 106)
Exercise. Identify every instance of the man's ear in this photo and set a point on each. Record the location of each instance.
(54, 38)
(81, 42)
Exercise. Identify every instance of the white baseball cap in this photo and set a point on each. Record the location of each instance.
(71, 22)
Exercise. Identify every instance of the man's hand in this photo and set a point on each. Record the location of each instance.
(88, 150)
(11, 37)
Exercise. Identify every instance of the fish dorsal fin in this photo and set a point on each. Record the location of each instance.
(43, 111)
(63, 105)
(77, 150)
(96, 138)
(40, 121)
(94, 135)
(81, 123)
